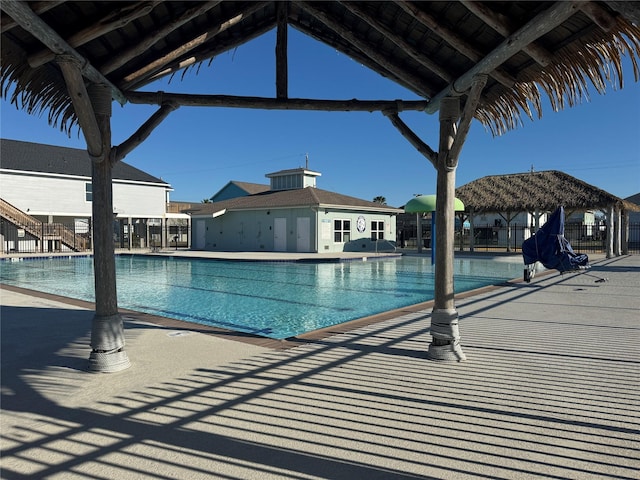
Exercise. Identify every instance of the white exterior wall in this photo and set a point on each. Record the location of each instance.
(360, 241)
(45, 195)
(61, 196)
(253, 231)
(139, 201)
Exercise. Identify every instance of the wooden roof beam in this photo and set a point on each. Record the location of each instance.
(122, 150)
(409, 78)
(629, 10)
(183, 63)
(473, 99)
(537, 27)
(7, 23)
(282, 73)
(71, 70)
(503, 25)
(356, 9)
(598, 15)
(412, 138)
(231, 101)
(109, 23)
(32, 23)
(158, 35)
(193, 43)
(453, 39)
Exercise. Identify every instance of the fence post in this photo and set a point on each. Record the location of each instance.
(625, 234)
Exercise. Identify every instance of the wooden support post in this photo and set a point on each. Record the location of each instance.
(625, 233)
(107, 334)
(444, 318)
(282, 75)
(617, 239)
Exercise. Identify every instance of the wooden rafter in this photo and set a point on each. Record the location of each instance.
(543, 23)
(159, 34)
(630, 10)
(598, 15)
(356, 9)
(195, 42)
(504, 26)
(31, 22)
(183, 63)
(106, 25)
(9, 23)
(407, 77)
(453, 39)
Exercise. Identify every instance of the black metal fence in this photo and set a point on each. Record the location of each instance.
(582, 237)
(150, 236)
(58, 237)
(61, 237)
(38, 237)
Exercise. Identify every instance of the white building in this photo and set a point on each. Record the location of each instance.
(46, 201)
(292, 215)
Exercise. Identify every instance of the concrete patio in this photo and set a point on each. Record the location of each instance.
(550, 390)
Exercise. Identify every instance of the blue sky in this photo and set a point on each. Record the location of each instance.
(198, 150)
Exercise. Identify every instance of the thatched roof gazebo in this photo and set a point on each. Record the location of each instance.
(531, 191)
(492, 61)
(540, 192)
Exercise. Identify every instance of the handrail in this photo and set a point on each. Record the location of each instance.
(40, 229)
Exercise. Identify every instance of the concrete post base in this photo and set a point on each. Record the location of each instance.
(101, 362)
(446, 337)
(107, 341)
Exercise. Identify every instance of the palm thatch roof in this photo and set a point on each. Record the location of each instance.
(527, 49)
(531, 191)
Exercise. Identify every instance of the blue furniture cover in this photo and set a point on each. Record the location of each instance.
(549, 247)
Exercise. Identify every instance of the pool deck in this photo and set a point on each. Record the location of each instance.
(551, 389)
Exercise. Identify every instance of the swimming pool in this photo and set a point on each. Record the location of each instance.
(270, 299)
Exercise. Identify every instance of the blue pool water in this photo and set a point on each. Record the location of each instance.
(271, 299)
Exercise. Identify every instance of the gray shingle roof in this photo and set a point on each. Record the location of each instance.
(37, 157)
(251, 188)
(634, 199)
(302, 197)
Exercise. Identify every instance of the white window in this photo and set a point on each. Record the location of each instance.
(342, 231)
(377, 230)
(88, 192)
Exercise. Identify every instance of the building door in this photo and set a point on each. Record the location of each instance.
(279, 234)
(200, 235)
(304, 234)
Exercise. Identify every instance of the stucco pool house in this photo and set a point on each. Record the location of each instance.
(292, 215)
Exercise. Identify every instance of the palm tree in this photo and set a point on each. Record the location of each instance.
(380, 199)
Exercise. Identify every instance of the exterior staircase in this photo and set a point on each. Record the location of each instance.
(43, 231)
